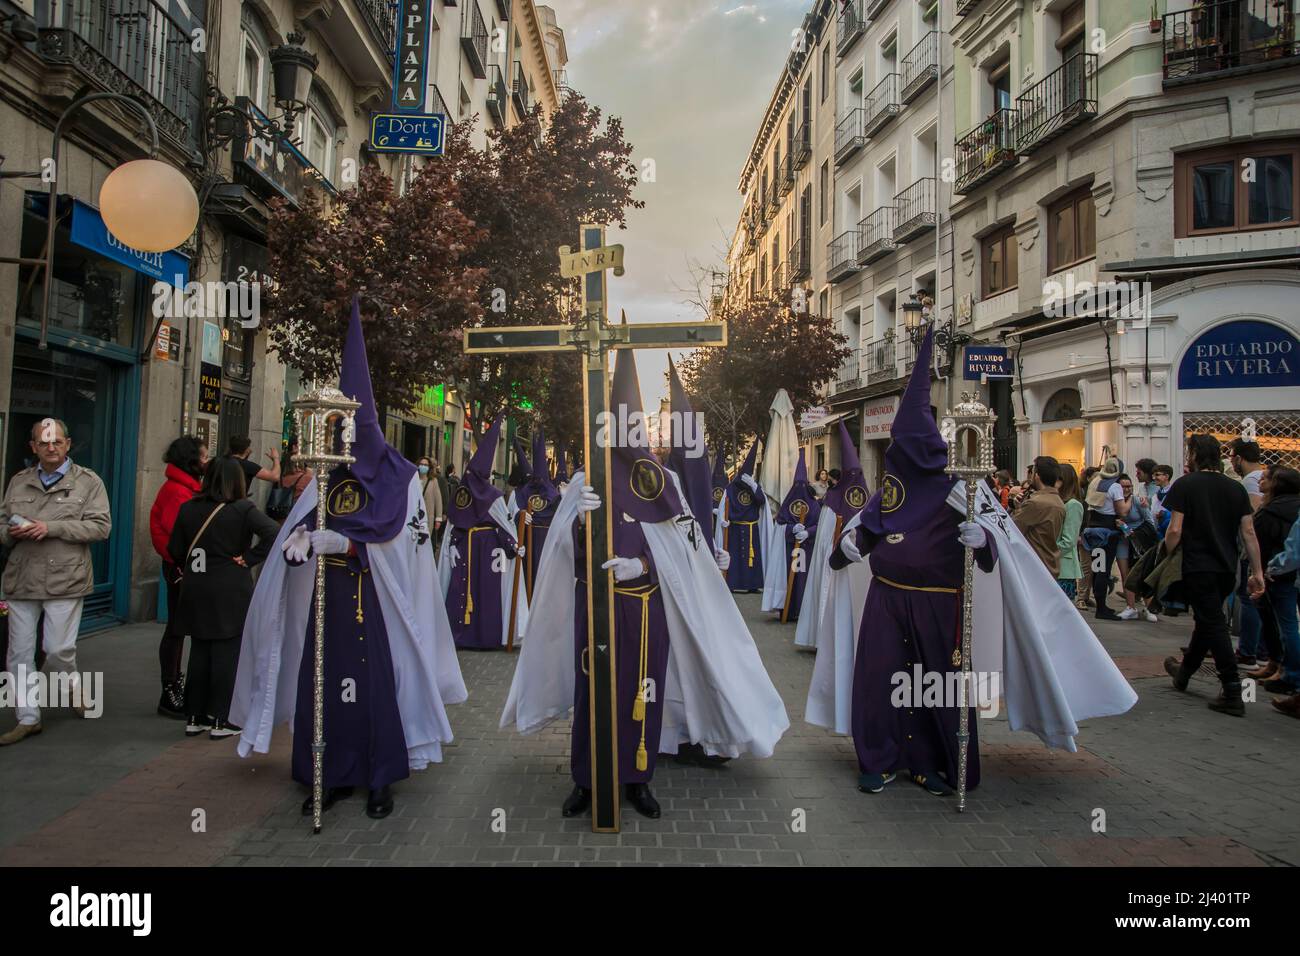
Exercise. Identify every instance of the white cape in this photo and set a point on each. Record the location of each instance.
(776, 570)
(1054, 671)
(500, 514)
(717, 692)
(425, 670)
(817, 588)
(781, 453)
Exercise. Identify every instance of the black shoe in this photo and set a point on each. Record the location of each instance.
(1279, 686)
(332, 796)
(932, 783)
(642, 800)
(874, 782)
(172, 702)
(1247, 660)
(1174, 668)
(577, 802)
(1229, 701)
(221, 730)
(1106, 614)
(197, 725)
(380, 803)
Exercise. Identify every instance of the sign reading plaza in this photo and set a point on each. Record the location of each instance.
(411, 63)
(419, 133)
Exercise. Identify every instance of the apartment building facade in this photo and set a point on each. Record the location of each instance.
(1101, 145)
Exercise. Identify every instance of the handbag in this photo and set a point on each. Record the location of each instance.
(180, 572)
(1143, 538)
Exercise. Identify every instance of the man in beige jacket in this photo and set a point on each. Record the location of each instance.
(50, 516)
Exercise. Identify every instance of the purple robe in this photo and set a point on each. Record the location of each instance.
(365, 746)
(794, 593)
(474, 595)
(900, 629)
(632, 613)
(744, 536)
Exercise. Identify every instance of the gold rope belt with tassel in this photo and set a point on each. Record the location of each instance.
(751, 538)
(644, 593)
(913, 587)
(469, 571)
(343, 563)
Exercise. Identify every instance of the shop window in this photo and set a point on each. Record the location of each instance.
(1236, 189)
(999, 265)
(1278, 433)
(1063, 406)
(1072, 225)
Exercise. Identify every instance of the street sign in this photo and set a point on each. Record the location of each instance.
(411, 58)
(986, 360)
(419, 133)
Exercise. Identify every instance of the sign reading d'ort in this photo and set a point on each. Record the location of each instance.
(1247, 353)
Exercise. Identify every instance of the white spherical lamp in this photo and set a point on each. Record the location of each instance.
(149, 205)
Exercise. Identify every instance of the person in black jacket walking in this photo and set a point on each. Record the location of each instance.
(1277, 608)
(211, 543)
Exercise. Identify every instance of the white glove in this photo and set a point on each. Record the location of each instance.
(625, 569)
(295, 546)
(454, 553)
(588, 500)
(329, 542)
(800, 533)
(725, 523)
(749, 481)
(519, 551)
(849, 546)
(971, 535)
(724, 560)
(528, 517)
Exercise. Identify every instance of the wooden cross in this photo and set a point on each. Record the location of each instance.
(593, 337)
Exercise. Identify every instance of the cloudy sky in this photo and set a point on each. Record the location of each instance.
(690, 79)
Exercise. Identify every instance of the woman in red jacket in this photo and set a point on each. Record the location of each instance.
(184, 474)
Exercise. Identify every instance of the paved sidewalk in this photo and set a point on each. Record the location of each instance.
(1177, 785)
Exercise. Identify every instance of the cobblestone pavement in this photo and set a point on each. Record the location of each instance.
(1177, 785)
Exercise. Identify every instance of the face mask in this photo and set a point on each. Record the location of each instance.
(424, 469)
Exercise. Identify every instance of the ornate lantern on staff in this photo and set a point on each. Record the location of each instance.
(316, 415)
(968, 430)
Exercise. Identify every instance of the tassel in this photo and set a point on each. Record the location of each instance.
(642, 758)
(638, 707)
(469, 603)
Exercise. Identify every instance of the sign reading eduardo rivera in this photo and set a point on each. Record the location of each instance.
(1247, 353)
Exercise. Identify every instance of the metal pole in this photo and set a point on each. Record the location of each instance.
(54, 191)
(318, 671)
(967, 608)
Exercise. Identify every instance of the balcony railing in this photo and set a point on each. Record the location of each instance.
(920, 66)
(848, 135)
(496, 94)
(1064, 98)
(519, 89)
(1229, 37)
(841, 256)
(381, 17)
(773, 201)
(474, 39)
(128, 46)
(909, 354)
(850, 373)
(882, 362)
(801, 148)
(881, 105)
(852, 25)
(986, 150)
(915, 206)
(439, 104)
(787, 174)
(800, 259)
(876, 235)
(778, 277)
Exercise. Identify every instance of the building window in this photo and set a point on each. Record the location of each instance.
(826, 70)
(318, 132)
(1072, 225)
(929, 13)
(1070, 42)
(254, 69)
(999, 265)
(823, 188)
(1236, 189)
(824, 302)
(1000, 82)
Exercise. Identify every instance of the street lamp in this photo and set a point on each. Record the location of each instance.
(292, 68)
(915, 319)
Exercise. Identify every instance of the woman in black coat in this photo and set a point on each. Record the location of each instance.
(211, 543)
(1277, 606)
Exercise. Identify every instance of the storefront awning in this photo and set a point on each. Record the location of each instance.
(823, 427)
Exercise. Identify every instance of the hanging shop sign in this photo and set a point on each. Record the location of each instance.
(1248, 353)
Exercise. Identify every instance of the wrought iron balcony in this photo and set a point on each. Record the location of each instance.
(474, 39)
(519, 90)
(125, 46)
(876, 235)
(800, 260)
(966, 6)
(941, 356)
(381, 18)
(842, 256)
(787, 174)
(881, 105)
(439, 104)
(920, 66)
(850, 373)
(496, 94)
(801, 147)
(1215, 39)
(882, 361)
(848, 135)
(915, 206)
(1064, 98)
(778, 277)
(852, 24)
(986, 150)
(773, 201)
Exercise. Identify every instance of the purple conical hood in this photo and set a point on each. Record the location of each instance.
(538, 493)
(474, 496)
(848, 497)
(642, 489)
(691, 464)
(523, 458)
(383, 474)
(748, 467)
(719, 478)
(800, 505)
(915, 485)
